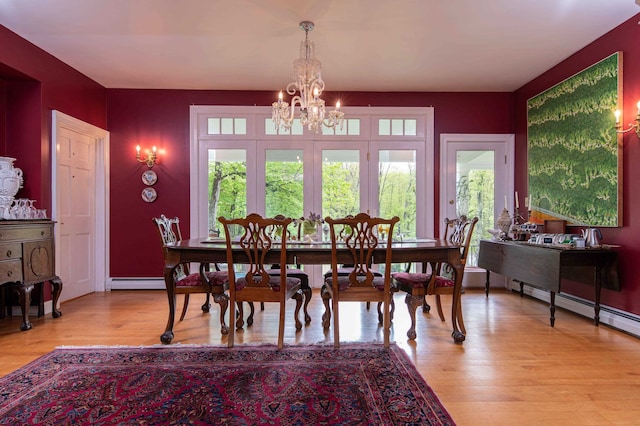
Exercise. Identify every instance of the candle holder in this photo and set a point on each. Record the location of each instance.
(632, 126)
(517, 229)
(518, 219)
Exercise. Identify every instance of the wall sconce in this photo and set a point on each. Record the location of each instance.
(632, 126)
(151, 156)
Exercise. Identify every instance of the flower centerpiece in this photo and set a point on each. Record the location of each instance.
(310, 226)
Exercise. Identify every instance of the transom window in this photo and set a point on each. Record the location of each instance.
(226, 126)
(350, 127)
(397, 127)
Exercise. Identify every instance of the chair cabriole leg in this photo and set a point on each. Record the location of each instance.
(298, 298)
(412, 305)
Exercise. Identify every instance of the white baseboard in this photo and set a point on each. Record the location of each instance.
(135, 284)
(615, 318)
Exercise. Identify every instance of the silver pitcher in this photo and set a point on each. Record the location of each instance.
(592, 237)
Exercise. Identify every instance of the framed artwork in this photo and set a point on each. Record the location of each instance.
(574, 152)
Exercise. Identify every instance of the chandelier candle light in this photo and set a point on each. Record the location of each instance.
(309, 85)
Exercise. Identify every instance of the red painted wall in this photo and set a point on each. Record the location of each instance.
(161, 118)
(623, 38)
(35, 83)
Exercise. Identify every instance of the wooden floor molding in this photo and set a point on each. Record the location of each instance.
(513, 368)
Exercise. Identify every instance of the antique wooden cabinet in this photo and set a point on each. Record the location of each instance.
(545, 266)
(27, 258)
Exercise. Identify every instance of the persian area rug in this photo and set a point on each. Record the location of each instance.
(319, 385)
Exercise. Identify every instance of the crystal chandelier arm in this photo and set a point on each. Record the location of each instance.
(283, 113)
(292, 88)
(295, 101)
(316, 84)
(336, 118)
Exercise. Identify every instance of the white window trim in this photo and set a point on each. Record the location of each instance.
(256, 115)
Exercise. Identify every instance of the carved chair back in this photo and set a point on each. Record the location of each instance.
(359, 236)
(257, 237)
(458, 231)
(169, 230)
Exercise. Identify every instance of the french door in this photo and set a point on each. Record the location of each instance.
(476, 180)
(339, 178)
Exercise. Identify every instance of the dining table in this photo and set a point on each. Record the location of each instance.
(214, 251)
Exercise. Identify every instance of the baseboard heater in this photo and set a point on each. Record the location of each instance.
(612, 317)
(135, 284)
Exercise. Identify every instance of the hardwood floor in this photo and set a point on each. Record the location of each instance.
(513, 368)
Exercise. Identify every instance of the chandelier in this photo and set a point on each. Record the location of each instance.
(309, 86)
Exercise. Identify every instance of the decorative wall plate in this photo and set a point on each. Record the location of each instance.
(149, 177)
(149, 195)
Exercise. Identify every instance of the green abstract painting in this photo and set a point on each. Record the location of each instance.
(574, 152)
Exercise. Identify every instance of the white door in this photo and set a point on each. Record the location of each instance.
(80, 205)
(76, 212)
(476, 179)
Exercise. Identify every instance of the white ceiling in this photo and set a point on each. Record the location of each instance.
(364, 45)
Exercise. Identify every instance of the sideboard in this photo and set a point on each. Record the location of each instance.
(545, 266)
(27, 258)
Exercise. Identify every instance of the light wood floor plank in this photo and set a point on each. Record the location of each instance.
(513, 367)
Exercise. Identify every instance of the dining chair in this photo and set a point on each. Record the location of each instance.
(354, 241)
(187, 283)
(440, 281)
(258, 241)
(295, 271)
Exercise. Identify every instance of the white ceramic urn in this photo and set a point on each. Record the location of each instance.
(10, 182)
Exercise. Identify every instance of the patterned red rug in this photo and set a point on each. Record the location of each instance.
(357, 384)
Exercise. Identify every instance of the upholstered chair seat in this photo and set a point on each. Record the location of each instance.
(344, 282)
(421, 280)
(274, 282)
(194, 279)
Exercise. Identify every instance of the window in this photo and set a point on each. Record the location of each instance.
(226, 126)
(397, 185)
(284, 183)
(227, 186)
(377, 163)
(340, 182)
(397, 127)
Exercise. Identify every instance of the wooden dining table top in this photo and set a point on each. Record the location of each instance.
(315, 253)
